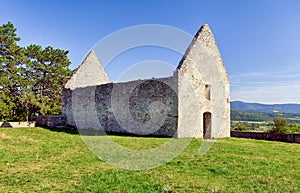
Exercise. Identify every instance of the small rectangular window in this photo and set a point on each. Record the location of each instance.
(207, 92)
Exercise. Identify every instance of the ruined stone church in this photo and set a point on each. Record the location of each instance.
(193, 102)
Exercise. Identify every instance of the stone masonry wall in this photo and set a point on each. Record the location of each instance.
(292, 138)
(142, 107)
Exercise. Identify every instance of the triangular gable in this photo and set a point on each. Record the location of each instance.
(89, 73)
(203, 54)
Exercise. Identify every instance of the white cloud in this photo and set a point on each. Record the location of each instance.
(269, 87)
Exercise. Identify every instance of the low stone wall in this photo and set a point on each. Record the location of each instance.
(292, 138)
(17, 124)
(50, 121)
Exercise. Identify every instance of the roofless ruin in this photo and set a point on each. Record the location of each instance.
(194, 102)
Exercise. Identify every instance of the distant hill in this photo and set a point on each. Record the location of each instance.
(258, 107)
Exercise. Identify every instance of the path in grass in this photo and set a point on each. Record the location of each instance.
(39, 160)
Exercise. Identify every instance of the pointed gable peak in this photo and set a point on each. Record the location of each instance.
(206, 37)
(91, 55)
(89, 73)
(203, 54)
(204, 27)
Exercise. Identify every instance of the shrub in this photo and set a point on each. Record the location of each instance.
(280, 125)
(293, 128)
(241, 127)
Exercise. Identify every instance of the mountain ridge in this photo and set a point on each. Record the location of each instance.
(260, 107)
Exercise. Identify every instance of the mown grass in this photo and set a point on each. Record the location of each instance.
(39, 160)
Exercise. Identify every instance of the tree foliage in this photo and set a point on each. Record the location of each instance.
(280, 125)
(31, 78)
(292, 128)
(250, 116)
(262, 116)
(50, 67)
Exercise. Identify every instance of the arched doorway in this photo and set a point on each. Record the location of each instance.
(207, 125)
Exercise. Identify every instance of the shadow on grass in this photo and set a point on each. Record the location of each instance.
(89, 132)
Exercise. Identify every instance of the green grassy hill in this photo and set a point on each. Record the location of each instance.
(39, 160)
(262, 116)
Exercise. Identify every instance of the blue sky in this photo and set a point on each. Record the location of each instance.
(258, 39)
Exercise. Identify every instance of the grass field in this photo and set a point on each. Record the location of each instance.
(40, 160)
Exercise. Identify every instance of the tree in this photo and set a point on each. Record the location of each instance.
(28, 102)
(280, 125)
(49, 69)
(31, 78)
(11, 57)
(241, 127)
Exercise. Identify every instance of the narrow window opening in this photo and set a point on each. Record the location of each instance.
(207, 92)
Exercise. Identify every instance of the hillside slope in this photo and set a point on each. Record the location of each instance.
(258, 107)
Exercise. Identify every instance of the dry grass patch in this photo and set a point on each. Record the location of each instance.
(4, 137)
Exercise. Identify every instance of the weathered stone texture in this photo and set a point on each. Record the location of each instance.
(67, 106)
(143, 107)
(89, 73)
(50, 121)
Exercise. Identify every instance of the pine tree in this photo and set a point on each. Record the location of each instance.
(11, 56)
(51, 71)
(31, 78)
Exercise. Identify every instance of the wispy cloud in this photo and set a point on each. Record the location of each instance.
(288, 74)
(267, 87)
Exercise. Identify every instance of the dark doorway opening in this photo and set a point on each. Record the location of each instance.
(207, 125)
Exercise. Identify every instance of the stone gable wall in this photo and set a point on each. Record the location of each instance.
(200, 68)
